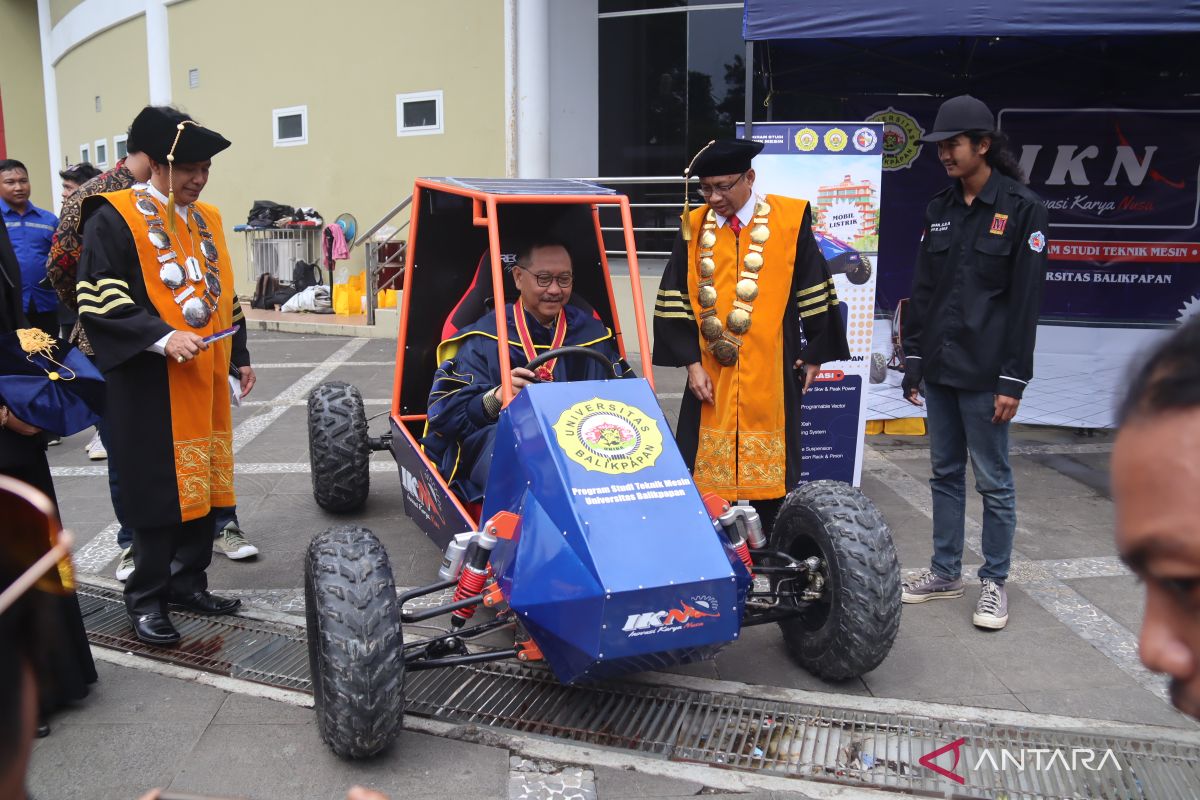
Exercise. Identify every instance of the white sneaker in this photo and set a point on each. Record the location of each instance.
(232, 542)
(95, 448)
(125, 565)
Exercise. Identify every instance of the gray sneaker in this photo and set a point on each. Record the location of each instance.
(992, 609)
(125, 565)
(928, 585)
(232, 542)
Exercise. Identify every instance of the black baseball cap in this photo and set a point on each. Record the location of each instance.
(959, 115)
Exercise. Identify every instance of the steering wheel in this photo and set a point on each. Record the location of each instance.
(572, 350)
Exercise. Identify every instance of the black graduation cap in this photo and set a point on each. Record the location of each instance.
(159, 135)
(724, 157)
(718, 157)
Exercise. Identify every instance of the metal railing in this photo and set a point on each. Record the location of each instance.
(658, 220)
(395, 256)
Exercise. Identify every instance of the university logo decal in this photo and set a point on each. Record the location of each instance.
(865, 140)
(835, 139)
(901, 138)
(807, 139)
(609, 436)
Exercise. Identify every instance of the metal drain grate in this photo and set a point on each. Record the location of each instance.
(813, 742)
(241, 648)
(859, 748)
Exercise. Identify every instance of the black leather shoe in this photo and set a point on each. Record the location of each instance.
(43, 729)
(154, 628)
(206, 603)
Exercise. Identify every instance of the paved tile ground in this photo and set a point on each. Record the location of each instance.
(1069, 647)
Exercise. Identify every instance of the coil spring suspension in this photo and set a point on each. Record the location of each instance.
(470, 583)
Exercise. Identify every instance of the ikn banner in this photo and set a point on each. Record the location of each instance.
(1122, 191)
(837, 168)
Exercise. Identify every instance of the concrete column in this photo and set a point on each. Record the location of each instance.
(50, 93)
(158, 52)
(532, 109)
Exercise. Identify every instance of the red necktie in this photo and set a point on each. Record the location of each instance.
(735, 225)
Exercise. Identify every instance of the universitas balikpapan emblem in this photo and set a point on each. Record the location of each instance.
(609, 436)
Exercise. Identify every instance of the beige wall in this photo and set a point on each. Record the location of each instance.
(23, 96)
(113, 66)
(59, 9)
(347, 68)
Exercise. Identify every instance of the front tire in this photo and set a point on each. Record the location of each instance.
(355, 641)
(338, 447)
(850, 631)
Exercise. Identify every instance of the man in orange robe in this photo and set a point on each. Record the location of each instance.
(747, 304)
(155, 286)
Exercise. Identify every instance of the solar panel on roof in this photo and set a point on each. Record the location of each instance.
(525, 186)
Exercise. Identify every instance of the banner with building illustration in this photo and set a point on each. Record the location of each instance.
(838, 168)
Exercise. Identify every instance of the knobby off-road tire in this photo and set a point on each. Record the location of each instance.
(338, 448)
(851, 632)
(861, 273)
(355, 642)
(879, 368)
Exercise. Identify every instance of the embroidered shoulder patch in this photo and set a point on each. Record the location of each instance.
(1037, 241)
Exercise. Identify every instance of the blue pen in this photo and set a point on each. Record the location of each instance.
(221, 334)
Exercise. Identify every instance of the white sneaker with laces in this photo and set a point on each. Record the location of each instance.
(125, 565)
(95, 448)
(232, 543)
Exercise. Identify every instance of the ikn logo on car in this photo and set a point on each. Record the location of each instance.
(1031, 759)
(674, 619)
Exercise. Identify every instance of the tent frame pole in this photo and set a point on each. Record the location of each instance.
(749, 92)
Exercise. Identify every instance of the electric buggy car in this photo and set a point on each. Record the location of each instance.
(592, 545)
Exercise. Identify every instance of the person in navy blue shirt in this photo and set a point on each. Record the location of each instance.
(31, 230)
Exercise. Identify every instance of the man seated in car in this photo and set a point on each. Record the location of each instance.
(465, 400)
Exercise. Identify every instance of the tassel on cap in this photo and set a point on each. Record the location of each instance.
(171, 174)
(686, 217)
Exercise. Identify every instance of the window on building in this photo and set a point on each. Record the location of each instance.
(101, 153)
(85, 153)
(120, 144)
(419, 113)
(290, 126)
(193, 78)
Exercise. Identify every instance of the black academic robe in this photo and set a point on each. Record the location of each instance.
(138, 401)
(815, 340)
(459, 432)
(24, 454)
(65, 668)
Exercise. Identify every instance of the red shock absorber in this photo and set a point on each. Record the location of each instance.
(743, 551)
(470, 583)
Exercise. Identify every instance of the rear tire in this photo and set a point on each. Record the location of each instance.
(851, 631)
(338, 447)
(355, 641)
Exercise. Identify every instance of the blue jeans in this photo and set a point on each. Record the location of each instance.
(960, 423)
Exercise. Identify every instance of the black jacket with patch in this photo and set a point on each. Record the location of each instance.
(977, 289)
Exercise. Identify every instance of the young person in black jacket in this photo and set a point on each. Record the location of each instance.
(969, 335)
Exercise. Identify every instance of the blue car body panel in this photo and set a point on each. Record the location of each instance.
(615, 566)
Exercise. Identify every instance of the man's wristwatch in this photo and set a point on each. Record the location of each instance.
(492, 405)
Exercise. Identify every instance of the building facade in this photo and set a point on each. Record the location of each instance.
(334, 106)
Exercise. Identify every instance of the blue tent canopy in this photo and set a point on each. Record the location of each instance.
(787, 19)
